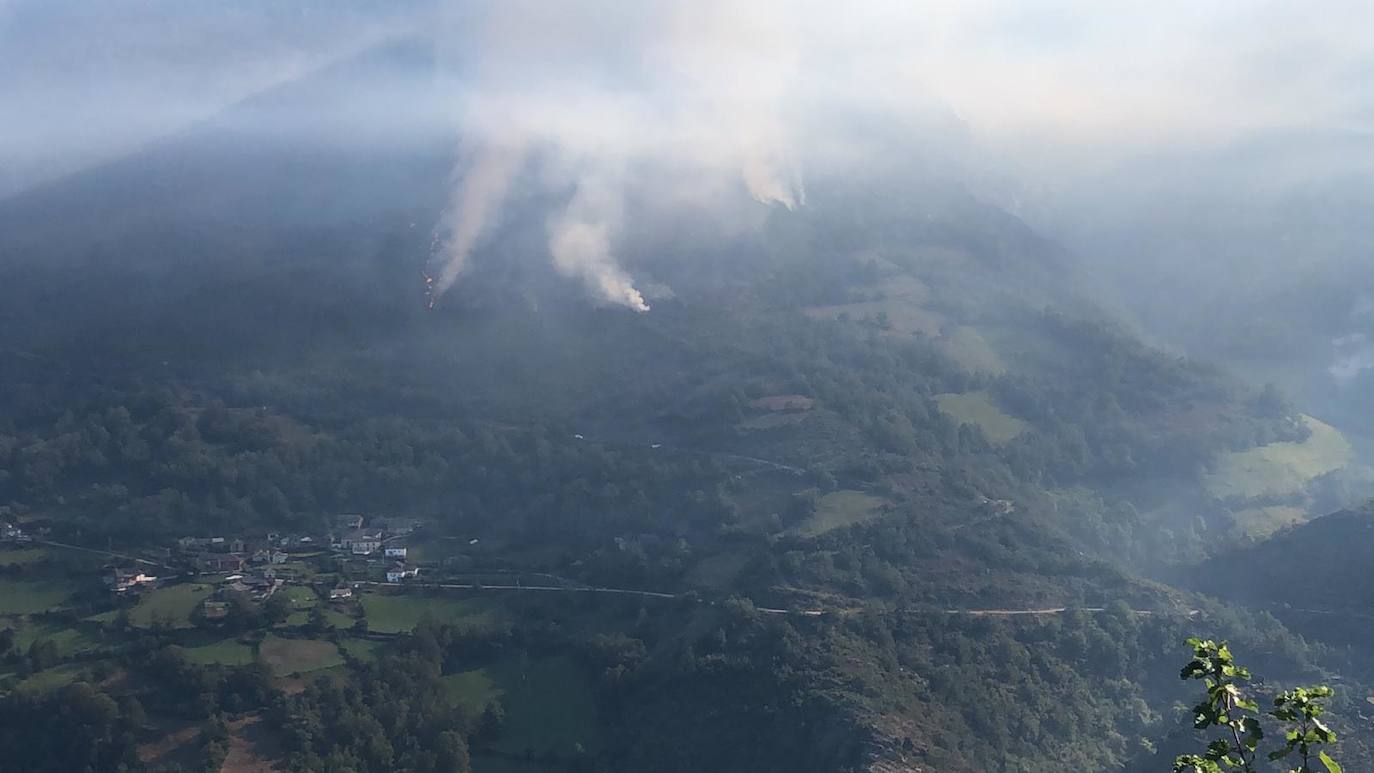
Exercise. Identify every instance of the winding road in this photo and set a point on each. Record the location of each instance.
(574, 588)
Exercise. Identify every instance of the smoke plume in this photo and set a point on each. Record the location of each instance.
(599, 111)
(480, 190)
(580, 240)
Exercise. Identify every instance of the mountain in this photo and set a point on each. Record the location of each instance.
(1273, 282)
(894, 476)
(1311, 576)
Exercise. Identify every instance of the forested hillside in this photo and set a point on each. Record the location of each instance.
(891, 482)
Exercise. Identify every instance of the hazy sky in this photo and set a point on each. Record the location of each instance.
(82, 78)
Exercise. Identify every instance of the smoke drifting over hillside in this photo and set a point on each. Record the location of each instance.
(596, 97)
(1046, 106)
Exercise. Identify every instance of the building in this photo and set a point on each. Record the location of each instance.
(395, 551)
(401, 572)
(215, 610)
(340, 593)
(361, 542)
(193, 543)
(348, 522)
(121, 581)
(269, 556)
(398, 526)
(227, 562)
(256, 587)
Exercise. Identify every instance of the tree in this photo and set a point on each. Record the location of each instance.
(452, 752)
(490, 725)
(1298, 713)
(317, 622)
(277, 608)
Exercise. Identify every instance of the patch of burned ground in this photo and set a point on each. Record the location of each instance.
(253, 747)
(900, 744)
(177, 744)
(783, 403)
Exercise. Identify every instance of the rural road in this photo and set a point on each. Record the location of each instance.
(813, 612)
(1042, 611)
(97, 551)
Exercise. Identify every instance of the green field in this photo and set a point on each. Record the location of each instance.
(1264, 521)
(362, 649)
(291, 656)
(301, 596)
(549, 706)
(332, 618)
(69, 641)
(1279, 469)
(839, 509)
(53, 678)
(21, 556)
(548, 701)
(26, 597)
(388, 613)
(171, 605)
(472, 690)
(229, 652)
(977, 408)
(967, 347)
(902, 304)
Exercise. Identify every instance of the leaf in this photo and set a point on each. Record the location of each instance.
(1331, 765)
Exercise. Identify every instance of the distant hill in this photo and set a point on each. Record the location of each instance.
(283, 242)
(894, 401)
(1322, 564)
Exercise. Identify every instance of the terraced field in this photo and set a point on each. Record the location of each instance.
(978, 409)
(1279, 469)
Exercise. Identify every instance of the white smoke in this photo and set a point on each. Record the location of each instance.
(736, 64)
(774, 181)
(1354, 355)
(480, 191)
(703, 83)
(1354, 352)
(580, 239)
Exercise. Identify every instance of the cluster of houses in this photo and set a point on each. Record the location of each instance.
(251, 564)
(364, 542)
(258, 586)
(232, 554)
(11, 533)
(380, 539)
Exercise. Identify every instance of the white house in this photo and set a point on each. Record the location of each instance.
(362, 542)
(121, 581)
(401, 572)
(395, 551)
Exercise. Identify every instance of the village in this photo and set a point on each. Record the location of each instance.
(281, 611)
(355, 551)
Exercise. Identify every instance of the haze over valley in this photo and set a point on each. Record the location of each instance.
(447, 386)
